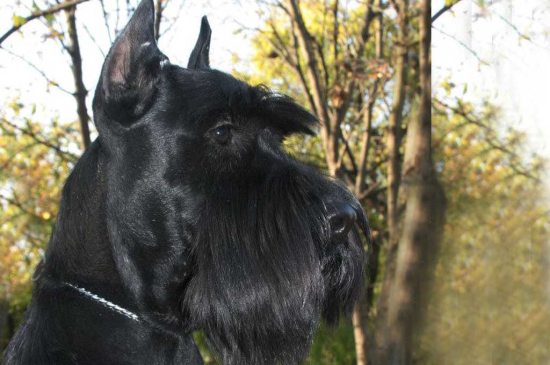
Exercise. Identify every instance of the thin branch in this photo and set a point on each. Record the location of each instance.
(444, 9)
(301, 74)
(373, 190)
(305, 41)
(463, 45)
(351, 84)
(13, 155)
(39, 14)
(159, 8)
(106, 20)
(324, 66)
(366, 141)
(76, 66)
(349, 152)
(64, 155)
(347, 149)
(335, 37)
(279, 46)
(175, 18)
(94, 41)
(117, 19)
(37, 69)
(459, 110)
(18, 204)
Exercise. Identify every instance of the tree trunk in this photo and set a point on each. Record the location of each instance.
(363, 340)
(80, 93)
(159, 8)
(393, 144)
(312, 71)
(4, 307)
(423, 221)
(360, 321)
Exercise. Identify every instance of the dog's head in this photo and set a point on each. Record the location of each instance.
(213, 225)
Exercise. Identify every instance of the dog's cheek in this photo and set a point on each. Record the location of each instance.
(230, 160)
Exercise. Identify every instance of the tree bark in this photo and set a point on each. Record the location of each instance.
(360, 317)
(4, 335)
(423, 221)
(395, 126)
(159, 8)
(38, 14)
(361, 310)
(80, 93)
(393, 143)
(312, 71)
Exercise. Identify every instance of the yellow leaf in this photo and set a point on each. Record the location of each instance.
(18, 20)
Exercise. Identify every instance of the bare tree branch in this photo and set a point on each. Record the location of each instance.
(495, 145)
(360, 181)
(37, 69)
(365, 143)
(335, 36)
(94, 41)
(174, 18)
(14, 154)
(117, 19)
(64, 155)
(444, 9)
(305, 40)
(39, 14)
(15, 202)
(81, 92)
(106, 20)
(301, 74)
(349, 153)
(463, 45)
(292, 60)
(159, 8)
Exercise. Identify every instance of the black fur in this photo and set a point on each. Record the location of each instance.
(187, 211)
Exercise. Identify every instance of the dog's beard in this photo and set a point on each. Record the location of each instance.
(262, 278)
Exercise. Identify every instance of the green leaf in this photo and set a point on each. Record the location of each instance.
(49, 19)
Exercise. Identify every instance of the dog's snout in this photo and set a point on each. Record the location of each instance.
(342, 217)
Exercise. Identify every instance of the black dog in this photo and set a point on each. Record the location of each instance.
(186, 214)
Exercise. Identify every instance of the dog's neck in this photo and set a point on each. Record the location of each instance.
(105, 303)
(78, 300)
(79, 251)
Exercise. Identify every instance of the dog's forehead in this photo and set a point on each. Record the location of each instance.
(200, 94)
(213, 87)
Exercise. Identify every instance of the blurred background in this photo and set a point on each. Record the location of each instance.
(449, 161)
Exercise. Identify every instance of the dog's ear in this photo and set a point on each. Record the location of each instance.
(127, 83)
(200, 56)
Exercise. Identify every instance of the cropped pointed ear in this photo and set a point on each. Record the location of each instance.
(200, 56)
(130, 72)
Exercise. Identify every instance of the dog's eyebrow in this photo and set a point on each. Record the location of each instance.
(284, 113)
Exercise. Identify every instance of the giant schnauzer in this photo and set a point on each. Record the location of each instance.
(187, 214)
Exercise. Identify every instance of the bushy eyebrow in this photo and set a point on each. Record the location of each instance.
(212, 92)
(279, 111)
(285, 114)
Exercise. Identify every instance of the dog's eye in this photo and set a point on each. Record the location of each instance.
(222, 134)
